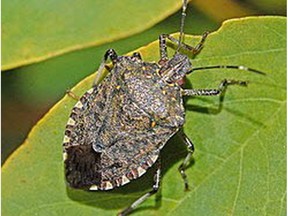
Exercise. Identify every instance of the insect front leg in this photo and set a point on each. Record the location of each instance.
(155, 188)
(183, 166)
(210, 92)
(163, 45)
(137, 55)
(110, 53)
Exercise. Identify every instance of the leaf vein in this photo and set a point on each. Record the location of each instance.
(239, 181)
(224, 162)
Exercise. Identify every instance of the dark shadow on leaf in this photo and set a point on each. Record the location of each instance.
(212, 110)
(215, 111)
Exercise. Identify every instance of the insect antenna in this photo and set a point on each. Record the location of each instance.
(236, 67)
(183, 15)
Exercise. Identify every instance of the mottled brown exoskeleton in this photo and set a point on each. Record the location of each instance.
(117, 129)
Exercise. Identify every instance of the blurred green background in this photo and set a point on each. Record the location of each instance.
(29, 91)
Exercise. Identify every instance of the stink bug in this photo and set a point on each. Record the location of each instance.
(117, 128)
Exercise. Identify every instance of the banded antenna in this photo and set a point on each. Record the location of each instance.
(236, 67)
(183, 15)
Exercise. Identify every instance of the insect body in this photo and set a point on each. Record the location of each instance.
(117, 129)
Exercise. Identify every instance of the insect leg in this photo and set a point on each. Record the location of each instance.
(210, 92)
(163, 45)
(189, 48)
(110, 53)
(199, 46)
(137, 55)
(155, 188)
(163, 48)
(183, 166)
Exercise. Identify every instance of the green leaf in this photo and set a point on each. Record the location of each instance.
(239, 166)
(31, 85)
(34, 81)
(36, 30)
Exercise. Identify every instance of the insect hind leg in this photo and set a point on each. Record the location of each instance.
(155, 188)
(185, 163)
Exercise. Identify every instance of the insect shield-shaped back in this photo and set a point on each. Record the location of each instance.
(176, 68)
(117, 129)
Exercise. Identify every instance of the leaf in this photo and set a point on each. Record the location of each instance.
(36, 30)
(34, 81)
(239, 165)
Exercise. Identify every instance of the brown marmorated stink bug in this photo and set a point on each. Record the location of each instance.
(117, 129)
